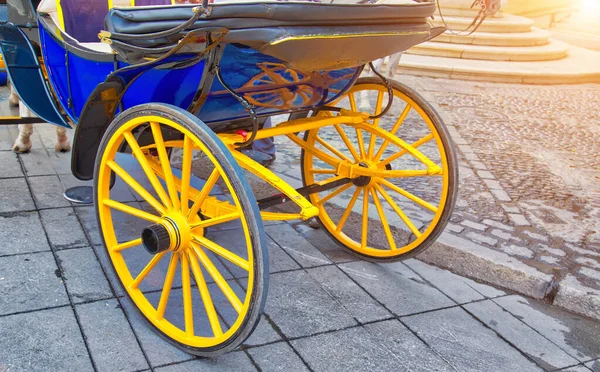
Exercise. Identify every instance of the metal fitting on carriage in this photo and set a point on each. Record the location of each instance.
(156, 238)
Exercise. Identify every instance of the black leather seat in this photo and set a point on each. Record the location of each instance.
(306, 36)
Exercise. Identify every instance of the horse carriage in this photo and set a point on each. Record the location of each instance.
(163, 97)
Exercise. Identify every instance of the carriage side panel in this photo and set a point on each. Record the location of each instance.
(269, 85)
(26, 75)
(73, 77)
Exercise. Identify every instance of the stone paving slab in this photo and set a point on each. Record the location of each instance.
(83, 275)
(9, 165)
(17, 239)
(353, 350)
(277, 357)
(8, 202)
(518, 333)
(55, 220)
(300, 307)
(46, 340)
(465, 343)
(158, 351)
(411, 294)
(233, 362)
(348, 294)
(113, 345)
(48, 192)
(458, 288)
(30, 282)
(575, 335)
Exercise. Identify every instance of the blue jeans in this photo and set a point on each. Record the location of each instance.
(267, 145)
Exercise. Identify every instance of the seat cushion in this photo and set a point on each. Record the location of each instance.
(84, 19)
(305, 36)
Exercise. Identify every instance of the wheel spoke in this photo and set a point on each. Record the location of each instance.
(352, 102)
(153, 262)
(213, 318)
(347, 141)
(216, 220)
(361, 143)
(218, 278)
(206, 189)
(335, 193)
(136, 186)
(186, 172)
(403, 152)
(165, 163)
(384, 222)
(130, 210)
(329, 147)
(127, 245)
(309, 148)
(141, 158)
(348, 210)
(186, 287)
(168, 284)
(322, 171)
(223, 252)
(410, 196)
(411, 226)
(372, 139)
(365, 218)
(395, 128)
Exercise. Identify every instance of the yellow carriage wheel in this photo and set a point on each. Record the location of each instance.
(181, 228)
(402, 209)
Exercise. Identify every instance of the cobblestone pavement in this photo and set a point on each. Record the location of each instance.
(530, 172)
(326, 311)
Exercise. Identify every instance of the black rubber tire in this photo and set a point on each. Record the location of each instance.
(452, 166)
(247, 201)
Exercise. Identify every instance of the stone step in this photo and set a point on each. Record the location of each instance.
(552, 51)
(581, 26)
(579, 39)
(506, 24)
(536, 36)
(580, 66)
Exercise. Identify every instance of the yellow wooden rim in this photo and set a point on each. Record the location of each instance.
(331, 226)
(171, 208)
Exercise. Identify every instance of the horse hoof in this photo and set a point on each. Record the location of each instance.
(14, 101)
(62, 147)
(21, 149)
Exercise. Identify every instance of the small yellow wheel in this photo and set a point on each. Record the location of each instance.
(190, 253)
(403, 208)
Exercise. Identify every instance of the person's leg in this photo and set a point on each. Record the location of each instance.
(267, 145)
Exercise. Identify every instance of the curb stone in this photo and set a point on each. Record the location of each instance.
(575, 297)
(469, 259)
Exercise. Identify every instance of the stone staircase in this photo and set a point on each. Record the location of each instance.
(504, 48)
(579, 29)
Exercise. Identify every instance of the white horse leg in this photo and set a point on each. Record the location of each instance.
(364, 105)
(23, 141)
(14, 98)
(393, 64)
(62, 141)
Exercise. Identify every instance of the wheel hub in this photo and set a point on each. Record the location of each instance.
(362, 181)
(170, 234)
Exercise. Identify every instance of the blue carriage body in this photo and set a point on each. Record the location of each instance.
(241, 63)
(264, 80)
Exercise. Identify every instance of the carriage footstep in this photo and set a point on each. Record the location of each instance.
(80, 194)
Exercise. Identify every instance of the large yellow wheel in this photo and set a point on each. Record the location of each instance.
(390, 216)
(191, 252)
